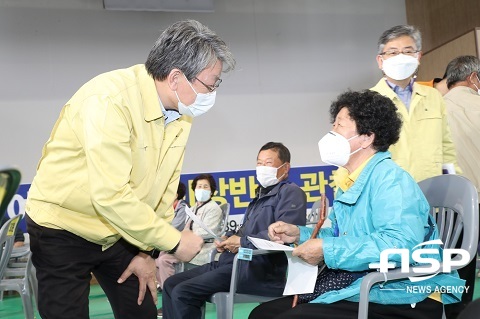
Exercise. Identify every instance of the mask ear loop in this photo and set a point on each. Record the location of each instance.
(475, 84)
(279, 168)
(189, 83)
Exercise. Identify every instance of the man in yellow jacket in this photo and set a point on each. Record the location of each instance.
(101, 201)
(425, 141)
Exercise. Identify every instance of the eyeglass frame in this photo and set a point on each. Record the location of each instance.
(210, 88)
(394, 52)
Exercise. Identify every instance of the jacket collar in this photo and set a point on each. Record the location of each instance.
(353, 193)
(383, 88)
(271, 190)
(149, 94)
(420, 89)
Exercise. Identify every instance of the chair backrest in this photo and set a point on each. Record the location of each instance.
(314, 214)
(9, 182)
(7, 236)
(225, 214)
(453, 203)
(180, 266)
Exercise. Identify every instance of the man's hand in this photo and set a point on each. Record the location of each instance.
(230, 244)
(283, 233)
(142, 266)
(311, 251)
(190, 245)
(218, 244)
(18, 244)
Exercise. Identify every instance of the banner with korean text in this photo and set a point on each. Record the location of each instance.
(235, 187)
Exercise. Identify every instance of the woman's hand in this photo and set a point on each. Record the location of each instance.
(283, 233)
(311, 251)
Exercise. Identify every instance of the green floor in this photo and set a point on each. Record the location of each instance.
(11, 306)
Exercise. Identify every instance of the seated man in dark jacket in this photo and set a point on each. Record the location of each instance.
(276, 199)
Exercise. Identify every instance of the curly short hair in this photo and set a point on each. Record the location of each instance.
(209, 178)
(372, 113)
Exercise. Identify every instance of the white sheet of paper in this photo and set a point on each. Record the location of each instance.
(301, 275)
(268, 245)
(200, 222)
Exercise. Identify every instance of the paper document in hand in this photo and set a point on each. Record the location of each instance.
(301, 275)
(267, 244)
(200, 222)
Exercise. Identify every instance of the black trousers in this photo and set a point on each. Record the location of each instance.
(471, 311)
(282, 309)
(64, 263)
(185, 293)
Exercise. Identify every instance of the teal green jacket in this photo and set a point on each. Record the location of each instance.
(383, 209)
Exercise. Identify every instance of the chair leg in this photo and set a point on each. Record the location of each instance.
(221, 310)
(229, 307)
(27, 303)
(220, 301)
(32, 279)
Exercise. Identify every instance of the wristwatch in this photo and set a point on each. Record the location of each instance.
(154, 253)
(174, 249)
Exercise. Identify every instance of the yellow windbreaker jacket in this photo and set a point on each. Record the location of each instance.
(425, 140)
(111, 167)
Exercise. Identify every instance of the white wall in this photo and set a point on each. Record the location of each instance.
(294, 58)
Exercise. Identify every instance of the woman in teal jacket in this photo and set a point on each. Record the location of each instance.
(378, 205)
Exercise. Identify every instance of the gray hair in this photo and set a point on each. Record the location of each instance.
(397, 32)
(189, 46)
(460, 68)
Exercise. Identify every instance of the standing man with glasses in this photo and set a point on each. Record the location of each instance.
(102, 199)
(425, 142)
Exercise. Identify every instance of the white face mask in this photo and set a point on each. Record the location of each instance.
(202, 195)
(267, 175)
(478, 90)
(203, 102)
(335, 149)
(400, 67)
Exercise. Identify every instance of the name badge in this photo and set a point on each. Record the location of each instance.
(245, 253)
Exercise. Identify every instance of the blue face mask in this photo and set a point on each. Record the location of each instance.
(202, 195)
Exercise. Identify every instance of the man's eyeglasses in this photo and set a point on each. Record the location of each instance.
(395, 52)
(210, 88)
